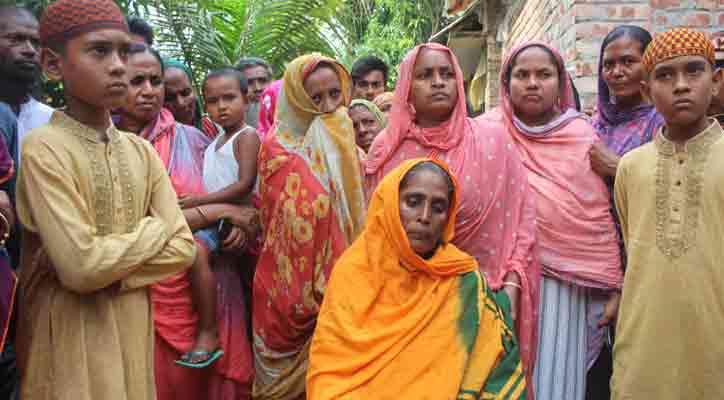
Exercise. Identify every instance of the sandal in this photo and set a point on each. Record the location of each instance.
(210, 358)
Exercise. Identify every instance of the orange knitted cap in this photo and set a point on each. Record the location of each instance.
(677, 43)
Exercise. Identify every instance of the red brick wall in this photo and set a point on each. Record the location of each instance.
(577, 27)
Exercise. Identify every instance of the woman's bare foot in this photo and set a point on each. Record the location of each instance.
(207, 341)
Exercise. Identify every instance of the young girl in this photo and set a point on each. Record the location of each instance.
(229, 175)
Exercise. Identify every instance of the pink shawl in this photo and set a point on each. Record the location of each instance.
(496, 219)
(576, 234)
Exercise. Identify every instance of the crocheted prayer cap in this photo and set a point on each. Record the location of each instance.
(678, 42)
(64, 19)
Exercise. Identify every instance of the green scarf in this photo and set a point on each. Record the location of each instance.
(379, 115)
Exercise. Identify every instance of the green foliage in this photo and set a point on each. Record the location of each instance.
(207, 34)
(389, 28)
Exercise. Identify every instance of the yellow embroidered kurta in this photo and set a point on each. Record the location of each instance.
(670, 200)
(100, 224)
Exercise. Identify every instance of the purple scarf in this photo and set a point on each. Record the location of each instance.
(623, 130)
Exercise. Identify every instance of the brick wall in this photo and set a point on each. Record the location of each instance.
(577, 27)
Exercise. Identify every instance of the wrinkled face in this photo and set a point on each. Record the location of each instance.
(534, 86)
(623, 69)
(434, 91)
(19, 48)
(258, 79)
(224, 102)
(370, 86)
(424, 207)
(682, 89)
(366, 126)
(180, 97)
(145, 92)
(92, 67)
(325, 89)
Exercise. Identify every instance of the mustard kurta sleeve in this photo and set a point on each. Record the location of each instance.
(619, 192)
(50, 204)
(180, 250)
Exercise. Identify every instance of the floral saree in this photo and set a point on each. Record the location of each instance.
(312, 209)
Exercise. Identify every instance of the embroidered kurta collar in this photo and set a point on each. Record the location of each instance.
(64, 121)
(697, 144)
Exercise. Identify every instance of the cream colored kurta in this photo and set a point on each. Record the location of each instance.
(670, 338)
(101, 223)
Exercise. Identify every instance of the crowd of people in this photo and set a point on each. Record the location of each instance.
(324, 236)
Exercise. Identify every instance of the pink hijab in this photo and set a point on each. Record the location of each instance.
(496, 218)
(268, 108)
(576, 234)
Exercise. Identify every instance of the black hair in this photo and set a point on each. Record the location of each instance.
(138, 48)
(554, 60)
(576, 95)
(251, 62)
(634, 32)
(367, 64)
(437, 169)
(8, 11)
(140, 27)
(228, 71)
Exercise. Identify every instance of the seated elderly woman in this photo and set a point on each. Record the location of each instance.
(407, 314)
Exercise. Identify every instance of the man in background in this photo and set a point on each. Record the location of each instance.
(258, 75)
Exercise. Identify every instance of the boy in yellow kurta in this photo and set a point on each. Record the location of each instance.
(100, 219)
(670, 198)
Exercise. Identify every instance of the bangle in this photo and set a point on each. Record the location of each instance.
(513, 284)
(6, 226)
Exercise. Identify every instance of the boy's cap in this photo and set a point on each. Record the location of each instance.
(65, 19)
(678, 42)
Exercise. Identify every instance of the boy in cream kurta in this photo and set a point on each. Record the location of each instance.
(670, 196)
(100, 220)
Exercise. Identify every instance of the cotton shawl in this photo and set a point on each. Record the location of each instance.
(394, 325)
(495, 222)
(577, 239)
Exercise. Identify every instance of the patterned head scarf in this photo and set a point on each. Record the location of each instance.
(64, 19)
(371, 107)
(678, 42)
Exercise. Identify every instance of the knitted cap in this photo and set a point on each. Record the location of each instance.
(64, 19)
(678, 42)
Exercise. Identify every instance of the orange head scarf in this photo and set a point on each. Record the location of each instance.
(394, 325)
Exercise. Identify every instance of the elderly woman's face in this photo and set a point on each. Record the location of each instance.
(424, 207)
(434, 90)
(366, 126)
(146, 90)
